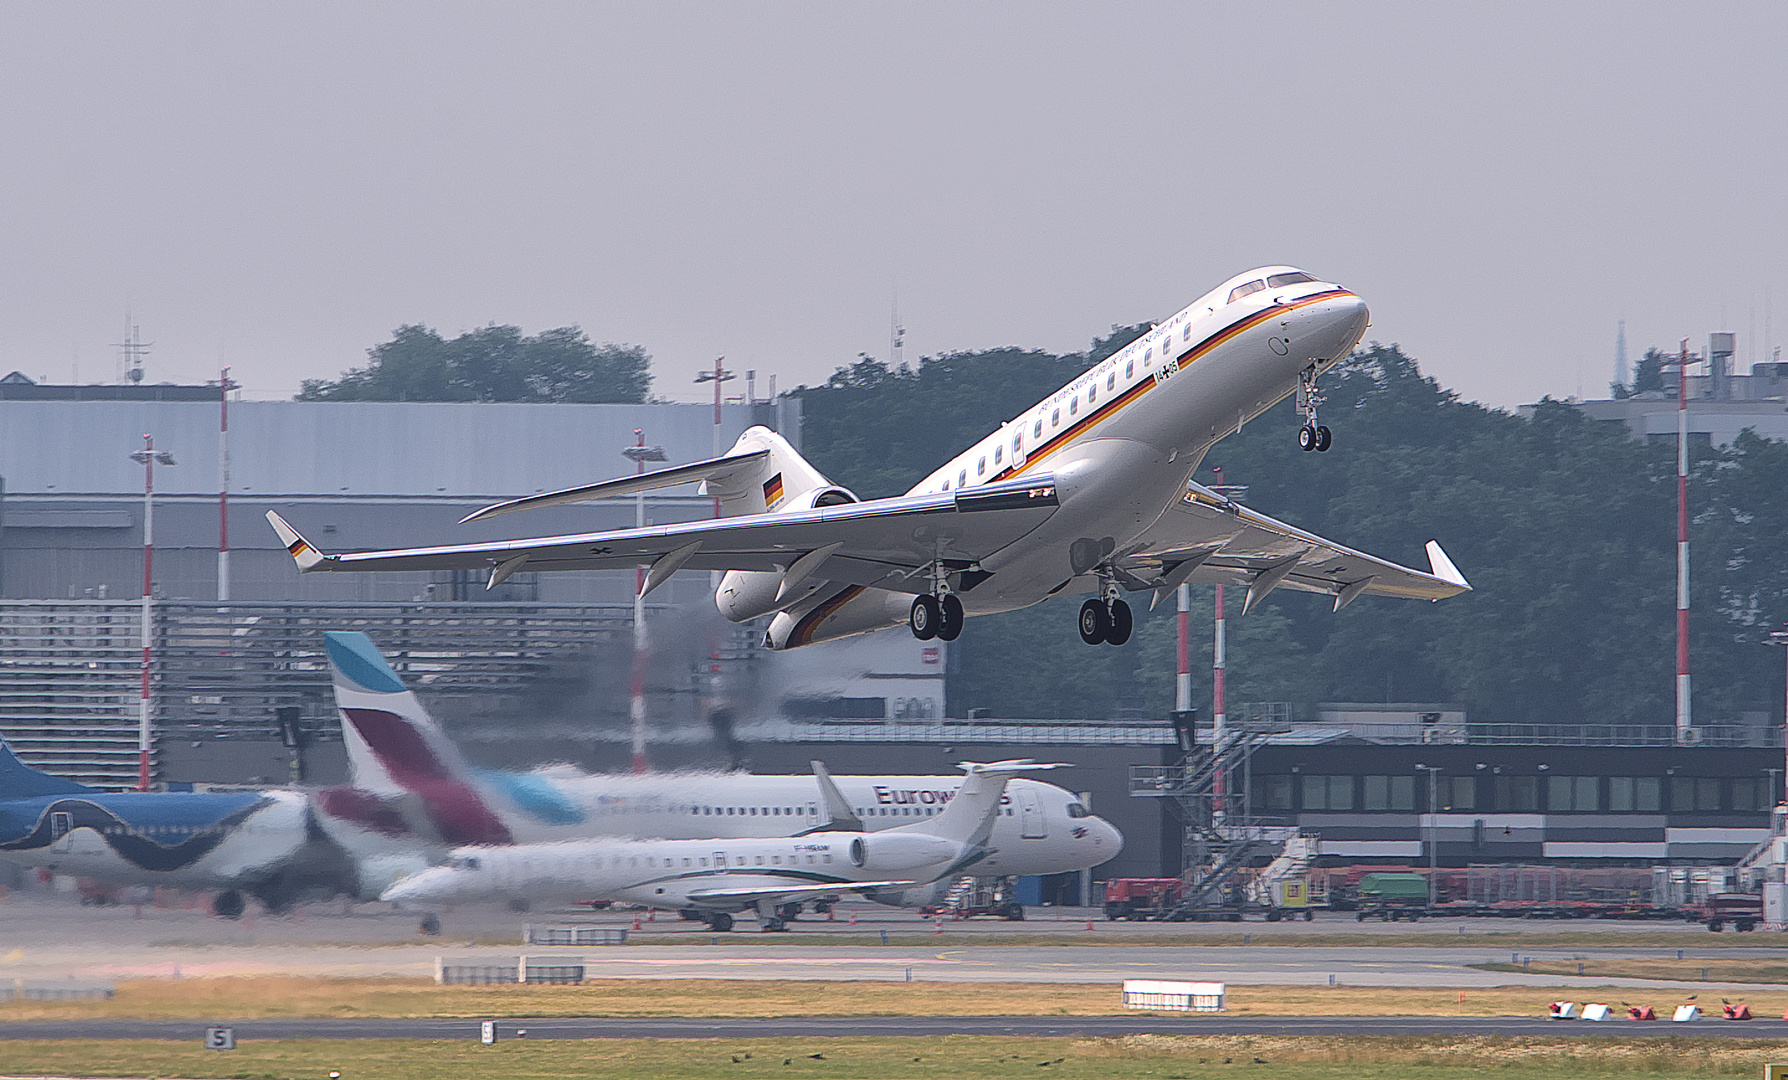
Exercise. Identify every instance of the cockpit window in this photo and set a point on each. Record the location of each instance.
(1285, 279)
(467, 862)
(1077, 810)
(1243, 290)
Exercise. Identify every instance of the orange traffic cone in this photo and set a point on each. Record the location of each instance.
(853, 916)
(1089, 922)
(636, 920)
(940, 927)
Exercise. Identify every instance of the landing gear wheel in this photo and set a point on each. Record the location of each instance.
(1323, 438)
(1095, 622)
(430, 925)
(1306, 438)
(720, 922)
(950, 628)
(1121, 623)
(926, 617)
(229, 904)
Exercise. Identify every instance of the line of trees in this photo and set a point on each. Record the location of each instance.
(1565, 527)
(493, 363)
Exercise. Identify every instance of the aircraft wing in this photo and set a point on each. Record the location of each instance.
(877, 543)
(1206, 538)
(747, 895)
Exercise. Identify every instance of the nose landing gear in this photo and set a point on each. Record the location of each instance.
(1312, 436)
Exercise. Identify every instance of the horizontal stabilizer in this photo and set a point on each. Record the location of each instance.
(694, 472)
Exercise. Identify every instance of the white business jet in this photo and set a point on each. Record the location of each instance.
(713, 878)
(1089, 490)
(412, 798)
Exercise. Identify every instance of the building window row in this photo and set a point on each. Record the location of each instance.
(1513, 794)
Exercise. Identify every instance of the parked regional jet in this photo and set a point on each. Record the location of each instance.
(1088, 490)
(412, 797)
(256, 843)
(712, 878)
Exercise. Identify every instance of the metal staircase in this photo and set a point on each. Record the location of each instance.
(1220, 838)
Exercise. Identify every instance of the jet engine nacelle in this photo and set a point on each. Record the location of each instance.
(896, 852)
(746, 594)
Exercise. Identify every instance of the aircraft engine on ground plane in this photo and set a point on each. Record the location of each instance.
(894, 852)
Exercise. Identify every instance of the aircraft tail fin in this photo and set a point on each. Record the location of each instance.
(970, 815)
(20, 781)
(395, 747)
(781, 479)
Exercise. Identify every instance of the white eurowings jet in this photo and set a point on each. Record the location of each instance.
(1089, 490)
(714, 877)
(411, 797)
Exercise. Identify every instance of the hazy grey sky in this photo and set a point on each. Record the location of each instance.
(280, 184)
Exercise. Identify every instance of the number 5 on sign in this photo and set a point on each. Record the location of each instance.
(220, 1038)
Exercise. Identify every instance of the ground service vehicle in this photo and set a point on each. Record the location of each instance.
(1392, 896)
(1142, 898)
(1743, 910)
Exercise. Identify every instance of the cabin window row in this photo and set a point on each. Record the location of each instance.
(1514, 794)
(752, 811)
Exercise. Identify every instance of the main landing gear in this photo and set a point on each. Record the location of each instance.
(937, 614)
(1106, 619)
(1312, 436)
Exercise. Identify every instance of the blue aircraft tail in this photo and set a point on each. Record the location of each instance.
(20, 781)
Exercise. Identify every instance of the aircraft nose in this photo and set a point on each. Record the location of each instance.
(1342, 322)
(1108, 837)
(415, 889)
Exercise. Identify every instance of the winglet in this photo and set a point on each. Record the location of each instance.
(840, 816)
(307, 557)
(1443, 568)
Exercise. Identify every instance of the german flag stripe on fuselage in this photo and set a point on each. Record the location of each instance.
(803, 631)
(1144, 385)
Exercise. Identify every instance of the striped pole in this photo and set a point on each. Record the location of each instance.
(1684, 718)
(1182, 684)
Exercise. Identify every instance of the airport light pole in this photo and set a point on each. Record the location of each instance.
(1433, 823)
(147, 458)
(1780, 637)
(719, 375)
(639, 453)
(1684, 717)
(223, 486)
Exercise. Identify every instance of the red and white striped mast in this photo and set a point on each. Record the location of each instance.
(1219, 718)
(1684, 718)
(147, 457)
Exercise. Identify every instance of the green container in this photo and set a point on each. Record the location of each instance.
(1394, 888)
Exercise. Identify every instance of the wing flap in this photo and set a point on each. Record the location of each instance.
(1250, 549)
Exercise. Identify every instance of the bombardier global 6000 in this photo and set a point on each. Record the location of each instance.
(1089, 490)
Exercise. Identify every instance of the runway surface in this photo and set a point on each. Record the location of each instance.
(892, 1026)
(46, 938)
